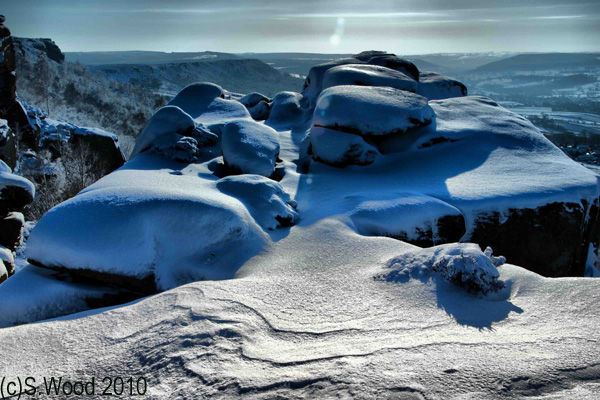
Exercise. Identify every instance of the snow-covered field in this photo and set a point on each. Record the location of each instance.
(329, 307)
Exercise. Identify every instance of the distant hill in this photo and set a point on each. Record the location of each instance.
(459, 61)
(426, 66)
(543, 61)
(293, 63)
(143, 57)
(235, 75)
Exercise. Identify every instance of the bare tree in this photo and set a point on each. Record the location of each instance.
(42, 79)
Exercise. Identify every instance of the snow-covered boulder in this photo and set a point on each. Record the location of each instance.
(340, 149)
(368, 75)
(264, 198)
(206, 104)
(7, 263)
(194, 98)
(418, 219)
(436, 86)
(388, 60)
(252, 99)
(463, 264)
(286, 110)
(3, 272)
(146, 229)
(250, 147)
(261, 111)
(314, 81)
(371, 111)
(166, 121)
(15, 191)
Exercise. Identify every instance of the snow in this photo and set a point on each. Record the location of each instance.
(6, 255)
(286, 110)
(368, 75)
(165, 121)
(463, 264)
(321, 309)
(261, 111)
(205, 103)
(10, 180)
(264, 198)
(436, 86)
(24, 301)
(167, 228)
(339, 148)
(250, 147)
(314, 81)
(407, 215)
(371, 110)
(252, 99)
(4, 167)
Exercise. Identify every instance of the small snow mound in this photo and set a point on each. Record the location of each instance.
(368, 75)
(340, 149)
(264, 198)
(167, 120)
(196, 97)
(286, 110)
(372, 111)
(436, 86)
(250, 147)
(463, 264)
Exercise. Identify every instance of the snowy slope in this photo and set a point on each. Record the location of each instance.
(307, 319)
(328, 307)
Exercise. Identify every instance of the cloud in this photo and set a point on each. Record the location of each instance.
(365, 15)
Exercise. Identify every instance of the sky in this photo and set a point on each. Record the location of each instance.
(323, 26)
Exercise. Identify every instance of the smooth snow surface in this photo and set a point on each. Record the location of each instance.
(371, 110)
(144, 222)
(368, 75)
(402, 216)
(250, 147)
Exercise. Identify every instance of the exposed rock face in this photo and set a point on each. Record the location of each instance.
(11, 226)
(551, 240)
(53, 134)
(36, 46)
(417, 219)
(15, 193)
(8, 146)
(437, 86)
